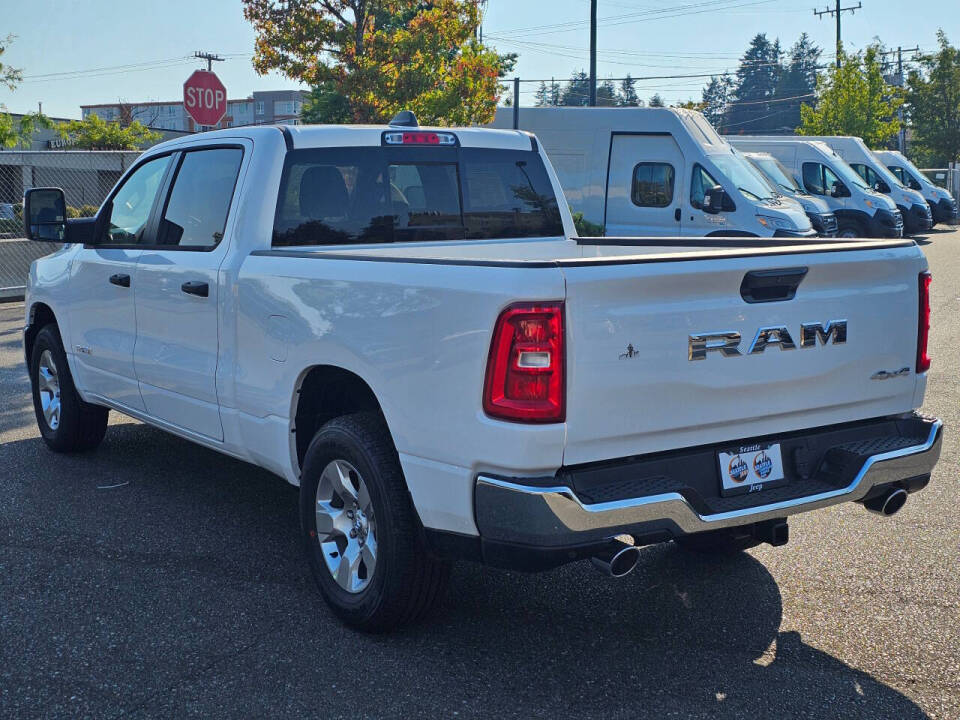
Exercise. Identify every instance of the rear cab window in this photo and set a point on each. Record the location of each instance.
(360, 195)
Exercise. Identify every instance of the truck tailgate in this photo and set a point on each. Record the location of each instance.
(632, 387)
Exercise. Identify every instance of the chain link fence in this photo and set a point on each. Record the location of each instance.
(86, 178)
(948, 177)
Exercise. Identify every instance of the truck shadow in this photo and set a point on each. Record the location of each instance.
(192, 560)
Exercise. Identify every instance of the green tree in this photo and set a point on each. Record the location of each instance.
(14, 132)
(606, 94)
(656, 101)
(715, 98)
(758, 76)
(627, 95)
(325, 104)
(854, 99)
(798, 82)
(548, 95)
(577, 90)
(9, 76)
(19, 131)
(376, 57)
(933, 97)
(94, 133)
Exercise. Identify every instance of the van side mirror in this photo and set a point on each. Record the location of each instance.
(45, 214)
(914, 185)
(838, 190)
(881, 187)
(716, 200)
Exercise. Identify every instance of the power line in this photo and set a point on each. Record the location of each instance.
(837, 12)
(642, 16)
(211, 58)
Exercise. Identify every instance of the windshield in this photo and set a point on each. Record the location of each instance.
(777, 173)
(847, 173)
(742, 175)
(910, 172)
(914, 171)
(884, 172)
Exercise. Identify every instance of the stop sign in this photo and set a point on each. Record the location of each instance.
(205, 97)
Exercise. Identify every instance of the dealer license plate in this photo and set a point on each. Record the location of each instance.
(750, 468)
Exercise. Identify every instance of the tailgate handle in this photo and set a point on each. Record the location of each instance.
(761, 286)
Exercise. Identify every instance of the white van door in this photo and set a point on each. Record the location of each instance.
(644, 185)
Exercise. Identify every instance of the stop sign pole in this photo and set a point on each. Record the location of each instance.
(205, 97)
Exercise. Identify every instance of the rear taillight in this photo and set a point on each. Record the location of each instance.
(525, 371)
(923, 324)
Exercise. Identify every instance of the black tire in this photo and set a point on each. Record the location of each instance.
(407, 581)
(718, 542)
(850, 229)
(80, 425)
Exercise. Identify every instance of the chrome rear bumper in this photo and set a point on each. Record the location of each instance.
(512, 512)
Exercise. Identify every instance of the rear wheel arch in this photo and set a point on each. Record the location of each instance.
(323, 393)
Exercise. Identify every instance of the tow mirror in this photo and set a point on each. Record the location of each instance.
(45, 214)
(716, 200)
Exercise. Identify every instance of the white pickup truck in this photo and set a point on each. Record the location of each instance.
(403, 322)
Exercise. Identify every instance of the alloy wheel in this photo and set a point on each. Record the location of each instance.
(48, 385)
(346, 526)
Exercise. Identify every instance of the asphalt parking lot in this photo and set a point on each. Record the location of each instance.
(156, 578)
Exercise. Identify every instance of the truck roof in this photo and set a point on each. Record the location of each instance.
(317, 136)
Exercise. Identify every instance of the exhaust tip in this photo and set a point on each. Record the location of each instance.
(618, 560)
(887, 503)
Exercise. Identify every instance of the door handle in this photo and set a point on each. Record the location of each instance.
(121, 279)
(761, 286)
(195, 287)
(676, 214)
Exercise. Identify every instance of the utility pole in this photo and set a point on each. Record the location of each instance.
(900, 82)
(593, 53)
(209, 57)
(836, 12)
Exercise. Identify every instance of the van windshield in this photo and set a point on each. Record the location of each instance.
(883, 171)
(917, 175)
(775, 171)
(847, 173)
(743, 176)
(351, 195)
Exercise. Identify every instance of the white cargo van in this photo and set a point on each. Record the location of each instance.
(657, 172)
(911, 204)
(942, 205)
(860, 210)
(822, 219)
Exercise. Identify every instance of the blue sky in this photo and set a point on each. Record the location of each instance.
(141, 52)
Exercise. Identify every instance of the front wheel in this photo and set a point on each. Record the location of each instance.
(360, 530)
(850, 229)
(66, 422)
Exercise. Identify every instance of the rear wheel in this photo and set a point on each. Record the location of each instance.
(718, 542)
(360, 530)
(66, 422)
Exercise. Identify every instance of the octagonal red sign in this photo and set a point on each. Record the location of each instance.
(205, 97)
